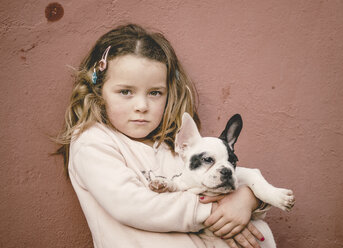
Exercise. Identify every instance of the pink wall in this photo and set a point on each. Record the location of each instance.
(278, 63)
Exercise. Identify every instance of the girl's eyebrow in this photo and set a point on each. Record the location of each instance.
(159, 87)
(128, 86)
(124, 85)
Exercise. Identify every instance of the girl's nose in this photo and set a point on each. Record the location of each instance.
(141, 104)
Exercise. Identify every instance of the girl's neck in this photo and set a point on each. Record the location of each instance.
(148, 142)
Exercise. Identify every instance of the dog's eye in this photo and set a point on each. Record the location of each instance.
(208, 160)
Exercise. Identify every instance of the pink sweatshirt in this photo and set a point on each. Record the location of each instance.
(106, 170)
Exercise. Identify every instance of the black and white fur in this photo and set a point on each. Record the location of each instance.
(210, 169)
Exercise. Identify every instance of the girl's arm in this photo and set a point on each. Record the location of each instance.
(100, 169)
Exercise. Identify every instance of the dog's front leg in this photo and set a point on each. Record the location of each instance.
(278, 197)
(162, 184)
(187, 182)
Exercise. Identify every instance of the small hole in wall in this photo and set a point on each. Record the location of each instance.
(54, 12)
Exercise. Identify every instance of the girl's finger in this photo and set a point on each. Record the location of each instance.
(219, 224)
(250, 238)
(230, 233)
(214, 217)
(255, 231)
(241, 240)
(231, 243)
(209, 199)
(222, 232)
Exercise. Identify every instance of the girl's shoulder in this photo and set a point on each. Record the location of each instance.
(96, 134)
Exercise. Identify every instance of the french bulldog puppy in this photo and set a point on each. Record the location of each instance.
(210, 169)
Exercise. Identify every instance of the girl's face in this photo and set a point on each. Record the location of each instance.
(135, 94)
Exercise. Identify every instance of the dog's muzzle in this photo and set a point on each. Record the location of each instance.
(227, 181)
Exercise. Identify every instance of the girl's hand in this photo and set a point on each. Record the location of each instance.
(247, 238)
(232, 213)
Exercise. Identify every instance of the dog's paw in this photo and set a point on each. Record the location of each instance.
(282, 198)
(159, 185)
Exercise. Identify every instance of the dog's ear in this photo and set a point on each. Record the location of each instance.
(232, 130)
(188, 134)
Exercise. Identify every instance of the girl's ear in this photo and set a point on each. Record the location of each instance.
(232, 130)
(187, 136)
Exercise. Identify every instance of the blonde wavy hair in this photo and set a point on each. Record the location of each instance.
(87, 105)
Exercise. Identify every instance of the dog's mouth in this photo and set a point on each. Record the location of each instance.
(224, 187)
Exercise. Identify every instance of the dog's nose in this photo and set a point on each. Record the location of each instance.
(226, 172)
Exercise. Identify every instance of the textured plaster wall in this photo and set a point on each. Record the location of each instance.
(278, 63)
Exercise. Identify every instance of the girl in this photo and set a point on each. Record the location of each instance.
(126, 107)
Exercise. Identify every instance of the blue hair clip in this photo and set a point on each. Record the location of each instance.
(94, 77)
(102, 64)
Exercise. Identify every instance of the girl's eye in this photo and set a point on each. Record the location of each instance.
(125, 92)
(155, 93)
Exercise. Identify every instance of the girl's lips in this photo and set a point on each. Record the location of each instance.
(139, 121)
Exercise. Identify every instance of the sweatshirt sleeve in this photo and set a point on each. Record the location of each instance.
(100, 169)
